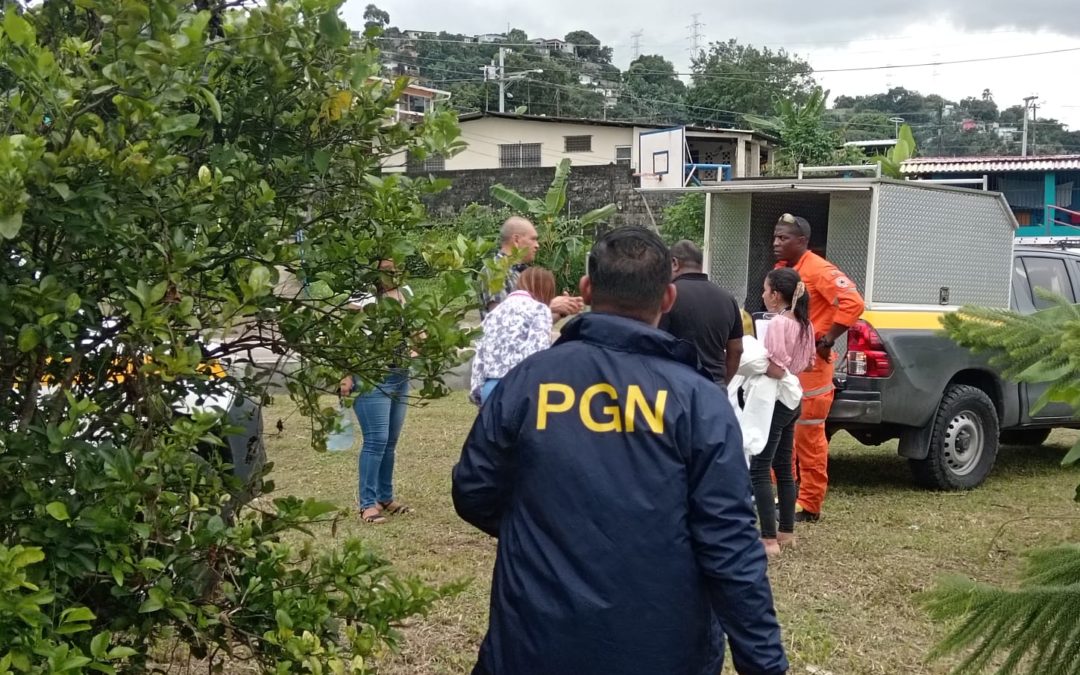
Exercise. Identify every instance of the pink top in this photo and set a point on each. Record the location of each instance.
(789, 345)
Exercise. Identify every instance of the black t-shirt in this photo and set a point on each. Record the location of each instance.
(706, 316)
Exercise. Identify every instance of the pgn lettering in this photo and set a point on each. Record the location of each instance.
(556, 399)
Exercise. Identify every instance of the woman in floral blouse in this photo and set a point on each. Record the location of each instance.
(518, 327)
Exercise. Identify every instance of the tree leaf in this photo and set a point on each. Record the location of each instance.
(179, 124)
(29, 338)
(17, 28)
(321, 158)
(75, 614)
(62, 189)
(100, 644)
(331, 28)
(121, 652)
(72, 303)
(11, 223)
(27, 556)
(259, 280)
(151, 604)
(57, 510)
(212, 102)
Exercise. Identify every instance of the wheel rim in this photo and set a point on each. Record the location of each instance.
(964, 443)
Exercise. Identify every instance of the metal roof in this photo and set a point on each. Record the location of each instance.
(921, 165)
(481, 114)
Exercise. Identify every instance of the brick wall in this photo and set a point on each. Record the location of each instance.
(590, 187)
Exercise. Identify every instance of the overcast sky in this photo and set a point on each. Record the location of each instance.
(830, 34)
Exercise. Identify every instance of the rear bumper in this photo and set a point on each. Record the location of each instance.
(855, 408)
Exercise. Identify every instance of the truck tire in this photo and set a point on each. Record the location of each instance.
(1030, 438)
(963, 442)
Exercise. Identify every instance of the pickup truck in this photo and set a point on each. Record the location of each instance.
(949, 409)
(916, 250)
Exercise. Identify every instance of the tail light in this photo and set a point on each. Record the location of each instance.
(866, 355)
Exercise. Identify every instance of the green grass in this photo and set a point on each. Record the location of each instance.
(846, 595)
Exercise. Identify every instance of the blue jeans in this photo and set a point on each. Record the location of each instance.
(381, 413)
(487, 388)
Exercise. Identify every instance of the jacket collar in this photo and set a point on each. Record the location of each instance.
(630, 335)
(692, 276)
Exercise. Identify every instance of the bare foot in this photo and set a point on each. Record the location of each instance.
(772, 547)
(786, 539)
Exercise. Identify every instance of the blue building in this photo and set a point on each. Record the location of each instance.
(1044, 192)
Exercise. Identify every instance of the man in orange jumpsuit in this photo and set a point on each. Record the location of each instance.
(835, 304)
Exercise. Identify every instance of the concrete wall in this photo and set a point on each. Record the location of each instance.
(590, 187)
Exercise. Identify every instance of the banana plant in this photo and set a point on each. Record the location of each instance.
(562, 238)
(904, 150)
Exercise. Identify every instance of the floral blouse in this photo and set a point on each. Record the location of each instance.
(514, 330)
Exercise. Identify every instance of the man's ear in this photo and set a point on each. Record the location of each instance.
(585, 287)
(668, 300)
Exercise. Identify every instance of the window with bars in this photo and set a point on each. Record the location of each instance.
(519, 155)
(623, 155)
(578, 143)
(432, 163)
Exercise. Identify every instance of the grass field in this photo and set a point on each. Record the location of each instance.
(846, 596)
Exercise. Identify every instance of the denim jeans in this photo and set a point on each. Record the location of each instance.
(775, 457)
(381, 413)
(487, 388)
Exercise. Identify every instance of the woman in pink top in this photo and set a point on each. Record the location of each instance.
(789, 342)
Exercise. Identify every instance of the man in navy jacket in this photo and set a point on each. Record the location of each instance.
(612, 472)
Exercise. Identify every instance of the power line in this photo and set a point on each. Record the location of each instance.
(731, 116)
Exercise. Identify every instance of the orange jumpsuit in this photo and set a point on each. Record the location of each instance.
(833, 300)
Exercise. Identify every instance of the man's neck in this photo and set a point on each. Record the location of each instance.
(795, 261)
(652, 320)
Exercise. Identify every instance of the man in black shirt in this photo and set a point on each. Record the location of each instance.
(704, 314)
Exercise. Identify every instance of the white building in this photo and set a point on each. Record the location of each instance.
(508, 141)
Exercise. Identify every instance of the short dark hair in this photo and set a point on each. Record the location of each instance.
(629, 269)
(796, 223)
(687, 252)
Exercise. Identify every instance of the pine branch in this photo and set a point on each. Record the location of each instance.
(1036, 627)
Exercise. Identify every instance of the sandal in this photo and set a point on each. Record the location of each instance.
(373, 515)
(395, 508)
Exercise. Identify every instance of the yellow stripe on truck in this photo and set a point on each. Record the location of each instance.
(884, 319)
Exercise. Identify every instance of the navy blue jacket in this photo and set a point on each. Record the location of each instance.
(612, 472)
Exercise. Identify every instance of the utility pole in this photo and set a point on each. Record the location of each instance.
(635, 43)
(1034, 128)
(498, 72)
(1027, 106)
(502, 79)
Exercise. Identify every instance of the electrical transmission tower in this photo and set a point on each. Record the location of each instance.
(696, 35)
(635, 43)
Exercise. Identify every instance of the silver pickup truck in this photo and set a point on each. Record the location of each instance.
(916, 251)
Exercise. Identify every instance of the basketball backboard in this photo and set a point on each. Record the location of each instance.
(661, 157)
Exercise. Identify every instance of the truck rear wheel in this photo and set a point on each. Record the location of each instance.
(964, 441)
(1025, 437)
